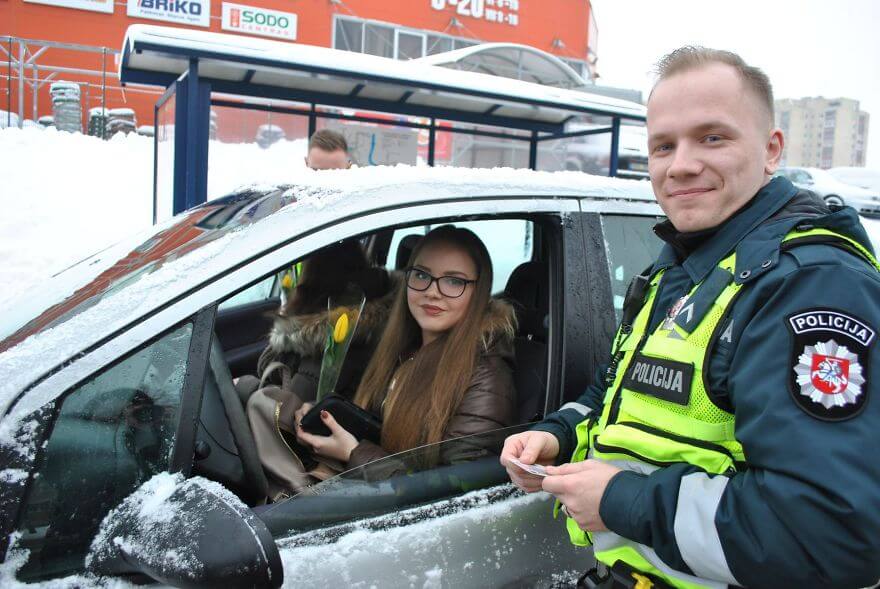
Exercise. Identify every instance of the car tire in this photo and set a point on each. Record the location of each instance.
(834, 200)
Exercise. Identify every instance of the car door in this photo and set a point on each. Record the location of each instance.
(134, 423)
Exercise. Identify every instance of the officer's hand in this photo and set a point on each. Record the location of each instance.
(579, 487)
(531, 447)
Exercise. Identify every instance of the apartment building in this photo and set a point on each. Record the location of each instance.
(823, 132)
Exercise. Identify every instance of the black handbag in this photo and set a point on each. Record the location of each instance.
(362, 424)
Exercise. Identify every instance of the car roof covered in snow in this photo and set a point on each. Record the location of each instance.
(250, 66)
(117, 287)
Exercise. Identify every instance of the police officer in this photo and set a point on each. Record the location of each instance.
(731, 440)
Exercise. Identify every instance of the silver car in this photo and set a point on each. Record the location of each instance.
(835, 192)
(126, 453)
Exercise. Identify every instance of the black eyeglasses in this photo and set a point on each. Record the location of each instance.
(449, 286)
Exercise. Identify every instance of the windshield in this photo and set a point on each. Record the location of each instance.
(115, 268)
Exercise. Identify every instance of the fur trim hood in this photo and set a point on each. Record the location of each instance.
(499, 328)
(306, 334)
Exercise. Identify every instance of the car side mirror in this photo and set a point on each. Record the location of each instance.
(186, 533)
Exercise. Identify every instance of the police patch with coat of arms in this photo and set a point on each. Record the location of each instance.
(829, 363)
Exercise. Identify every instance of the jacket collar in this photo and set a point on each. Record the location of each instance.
(768, 201)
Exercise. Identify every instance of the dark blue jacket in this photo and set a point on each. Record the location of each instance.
(806, 510)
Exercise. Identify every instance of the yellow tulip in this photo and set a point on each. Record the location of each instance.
(341, 329)
(287, 281)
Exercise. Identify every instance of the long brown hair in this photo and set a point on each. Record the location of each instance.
(429, 381)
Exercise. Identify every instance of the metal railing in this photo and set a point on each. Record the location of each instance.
(22, 67)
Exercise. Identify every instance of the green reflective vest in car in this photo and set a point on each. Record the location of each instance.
(657, 410)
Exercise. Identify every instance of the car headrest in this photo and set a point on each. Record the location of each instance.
(527, 288)
(405, 250)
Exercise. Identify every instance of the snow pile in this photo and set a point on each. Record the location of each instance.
(66, 196)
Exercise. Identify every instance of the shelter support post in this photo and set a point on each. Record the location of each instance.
(313, 121)
(615, 146)
(192, 126)
(21, 59)
(533, 151)
(432, 138)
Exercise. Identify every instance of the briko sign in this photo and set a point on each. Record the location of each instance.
(258, 21)
(188, 12)
(92, 5)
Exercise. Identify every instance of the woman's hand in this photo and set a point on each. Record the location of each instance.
(338, 445)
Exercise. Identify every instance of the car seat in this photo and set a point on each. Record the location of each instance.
(405, 250)
(528, 291)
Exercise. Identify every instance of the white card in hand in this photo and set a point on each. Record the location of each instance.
(535, 469)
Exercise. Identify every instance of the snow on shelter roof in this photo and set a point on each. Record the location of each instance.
(249, 66)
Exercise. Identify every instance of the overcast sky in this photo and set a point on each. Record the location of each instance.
(827, 48)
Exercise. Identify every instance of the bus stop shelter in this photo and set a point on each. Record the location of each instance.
(201, 70)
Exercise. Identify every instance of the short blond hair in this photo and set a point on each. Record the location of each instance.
(692, 56)
(329, 141)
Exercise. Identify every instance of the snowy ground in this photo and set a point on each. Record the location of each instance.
(65, 196)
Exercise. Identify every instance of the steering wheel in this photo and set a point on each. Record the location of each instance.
(238, 423)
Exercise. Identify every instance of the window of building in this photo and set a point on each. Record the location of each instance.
(378, 40)
(349, 35)
(388, 40)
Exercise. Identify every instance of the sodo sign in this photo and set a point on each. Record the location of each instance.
(259, 21)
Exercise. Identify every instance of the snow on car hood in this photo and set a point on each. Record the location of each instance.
(321, 198)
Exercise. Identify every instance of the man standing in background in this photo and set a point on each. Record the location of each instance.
(328, 150)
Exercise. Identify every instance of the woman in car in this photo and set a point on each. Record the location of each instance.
(290, 366)
(443, 367)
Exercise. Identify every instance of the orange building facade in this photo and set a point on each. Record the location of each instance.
(402, 30)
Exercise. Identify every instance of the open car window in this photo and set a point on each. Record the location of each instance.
(415, 477)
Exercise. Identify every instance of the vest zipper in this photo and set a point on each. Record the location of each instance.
(615, 402)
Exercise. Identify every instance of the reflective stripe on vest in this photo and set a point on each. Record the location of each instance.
(658, 410)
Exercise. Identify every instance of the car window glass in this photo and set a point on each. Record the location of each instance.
(631, 246)
(261, 291)
(415, 477)
(111, 434)
(509, 242)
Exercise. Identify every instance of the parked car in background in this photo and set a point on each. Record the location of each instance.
(861, 177)
(835, 192)
(126, 449)
(590, 153)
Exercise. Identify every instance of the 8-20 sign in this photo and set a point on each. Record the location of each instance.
(474, 8)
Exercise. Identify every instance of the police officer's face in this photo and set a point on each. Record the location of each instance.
(710, 145)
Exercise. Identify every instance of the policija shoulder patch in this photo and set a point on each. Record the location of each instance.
(830, 355)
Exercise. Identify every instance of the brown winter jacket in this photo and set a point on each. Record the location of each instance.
(490, 401)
